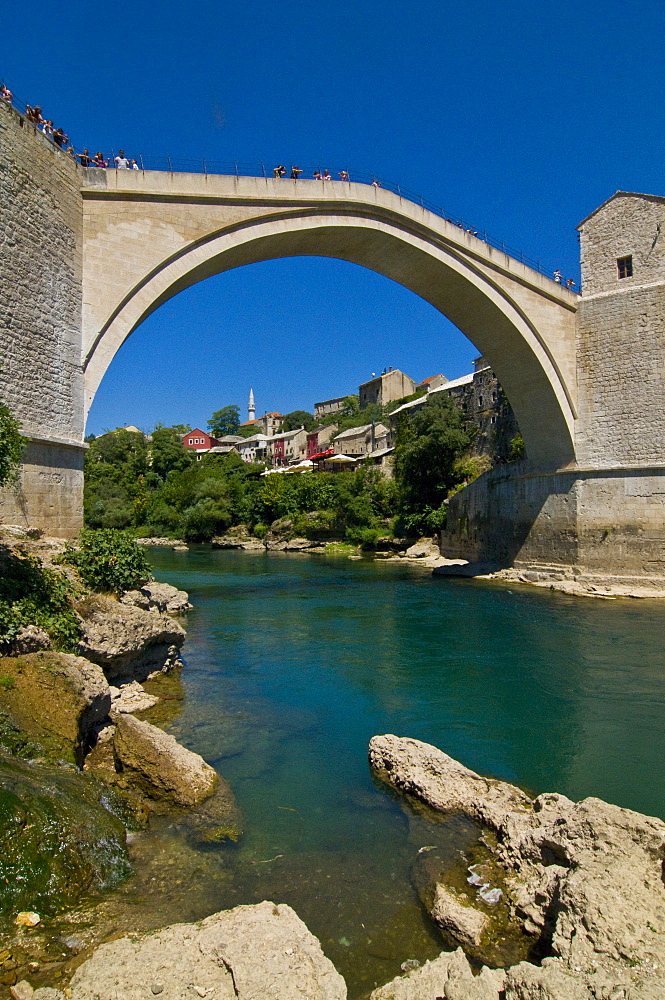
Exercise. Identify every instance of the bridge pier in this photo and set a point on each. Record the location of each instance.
(604, 524)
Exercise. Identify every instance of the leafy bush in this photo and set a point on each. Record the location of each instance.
(204, 520)
(517, 449)
(109, 560)
(366, 538)
(30, 594)
(11, 446)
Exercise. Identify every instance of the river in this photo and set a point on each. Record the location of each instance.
(294, 662)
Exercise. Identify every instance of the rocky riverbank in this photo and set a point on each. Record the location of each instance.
(577, 886)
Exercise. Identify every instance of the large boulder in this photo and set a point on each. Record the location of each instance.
(261, 952)
(158, 596)
(163, 769)
(424, 548)
(57, 698)
(431, 776)
(585, 878)
(128, 642)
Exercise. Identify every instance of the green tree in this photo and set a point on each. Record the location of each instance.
(299, 418)
(224, 421)
(167, 451)
(11, 446)
(429, 442)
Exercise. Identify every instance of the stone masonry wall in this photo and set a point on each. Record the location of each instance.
(621, 335)
(40, 320)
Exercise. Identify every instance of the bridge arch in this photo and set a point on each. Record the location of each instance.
(521, 322)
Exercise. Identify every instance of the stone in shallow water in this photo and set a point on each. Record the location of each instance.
(262, 952)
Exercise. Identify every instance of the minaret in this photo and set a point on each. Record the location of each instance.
(251, 409)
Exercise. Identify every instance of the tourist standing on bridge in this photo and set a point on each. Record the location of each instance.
(99, 160)
(326, 175)
(343, 175)
(46, 128)
(558, 277)
(5, 94)
(133, 164)
(279, 171)
(295, 173)
(121, 161)
(317, 175)
(85, 159)
(34, 115)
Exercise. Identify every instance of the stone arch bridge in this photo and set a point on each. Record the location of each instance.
(90, 253)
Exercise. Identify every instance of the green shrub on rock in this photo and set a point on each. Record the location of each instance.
(109, 560)
(31, 594)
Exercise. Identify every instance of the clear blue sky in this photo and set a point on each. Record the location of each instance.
(519, 117)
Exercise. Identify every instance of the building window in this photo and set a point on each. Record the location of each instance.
(625, 267)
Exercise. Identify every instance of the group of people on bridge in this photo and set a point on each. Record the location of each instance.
(281, 171)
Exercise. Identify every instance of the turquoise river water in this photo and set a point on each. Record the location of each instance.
(294, 662)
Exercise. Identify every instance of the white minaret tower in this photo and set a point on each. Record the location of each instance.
(251, 409)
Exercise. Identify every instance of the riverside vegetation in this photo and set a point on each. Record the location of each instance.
(157, 488)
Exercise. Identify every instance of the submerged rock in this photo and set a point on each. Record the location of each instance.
(57, 698)
(261, 952)
(128, 642)
(585, 878)
(57, 840)
(162, 768)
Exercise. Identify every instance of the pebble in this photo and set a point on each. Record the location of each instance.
(410, 964)
(200, 990)
(27, 918)
(157, 988)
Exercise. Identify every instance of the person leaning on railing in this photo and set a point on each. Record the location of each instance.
(5, 94)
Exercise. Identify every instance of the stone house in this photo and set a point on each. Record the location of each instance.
(485, 406)
(253, 449)
(199, 441)
(319, 439)
(359, 442)
(269, 423)
(287, 448)
(329, 406)
(386, 388)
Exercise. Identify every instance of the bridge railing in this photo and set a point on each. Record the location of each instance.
(241, 168)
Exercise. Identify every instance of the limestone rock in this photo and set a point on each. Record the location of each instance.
(163, 768)
(130, 642)
(261, 952)
(550, 982)
(431, 776)
(130, 698)
(300, 545)
(57, 697)
(160, 596)
(460, 921)
(585, 877)
(30, 639)
(225, 542)
(429, 980)
(424, 547)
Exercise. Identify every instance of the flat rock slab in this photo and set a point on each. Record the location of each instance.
(167, 769)
(262, 952)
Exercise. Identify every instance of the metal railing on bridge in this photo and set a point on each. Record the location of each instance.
(239, 168)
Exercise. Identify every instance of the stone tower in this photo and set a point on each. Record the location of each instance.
(251, 409)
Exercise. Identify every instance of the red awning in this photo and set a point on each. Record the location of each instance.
(322, 454)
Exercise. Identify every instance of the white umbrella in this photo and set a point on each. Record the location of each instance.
(341, 459)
